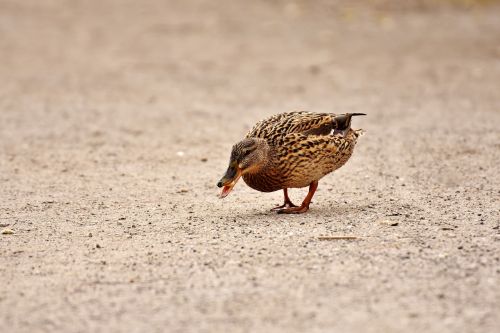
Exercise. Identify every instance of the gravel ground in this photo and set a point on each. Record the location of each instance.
(116, 122)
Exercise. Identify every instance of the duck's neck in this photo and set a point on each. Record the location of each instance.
(265, 157)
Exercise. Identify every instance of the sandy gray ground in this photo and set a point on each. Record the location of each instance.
(116, 121)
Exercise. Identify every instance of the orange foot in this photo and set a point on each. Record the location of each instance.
(304, 207)
(286, 205)
(294, 210)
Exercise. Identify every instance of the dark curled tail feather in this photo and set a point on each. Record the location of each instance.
(343, 121)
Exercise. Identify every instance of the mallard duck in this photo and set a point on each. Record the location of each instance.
(291, 150)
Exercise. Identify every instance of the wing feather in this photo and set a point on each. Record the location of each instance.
(276, 127)
(312, 156)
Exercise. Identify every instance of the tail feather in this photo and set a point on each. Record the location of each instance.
(343, 121)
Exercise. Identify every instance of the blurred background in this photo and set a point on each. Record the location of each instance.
(178, 77)
(239, 57)
(116, 121)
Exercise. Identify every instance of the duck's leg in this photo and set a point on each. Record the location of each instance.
(288, 203)
(304, 207)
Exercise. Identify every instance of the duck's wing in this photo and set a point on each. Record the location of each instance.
(302, 145)
(314, 155)
(276, 127)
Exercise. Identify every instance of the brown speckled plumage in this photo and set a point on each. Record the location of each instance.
(294, 149)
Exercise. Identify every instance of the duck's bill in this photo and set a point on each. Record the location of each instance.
(226, 189)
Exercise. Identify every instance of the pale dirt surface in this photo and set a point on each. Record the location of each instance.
(115, 231)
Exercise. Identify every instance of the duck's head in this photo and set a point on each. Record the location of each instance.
(247, 156)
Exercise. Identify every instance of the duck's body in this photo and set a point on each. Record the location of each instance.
(293, 150)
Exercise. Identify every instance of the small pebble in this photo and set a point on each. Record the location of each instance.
(7, 231)
(388, 222)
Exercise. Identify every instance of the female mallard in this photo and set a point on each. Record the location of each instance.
(294, 149)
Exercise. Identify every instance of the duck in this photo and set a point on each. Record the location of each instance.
(291, 150)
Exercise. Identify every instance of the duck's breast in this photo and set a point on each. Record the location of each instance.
(264, 181)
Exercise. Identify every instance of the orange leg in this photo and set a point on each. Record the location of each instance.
(288, 203)
(304, 207)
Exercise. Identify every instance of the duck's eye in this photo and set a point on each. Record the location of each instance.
(246, 152)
